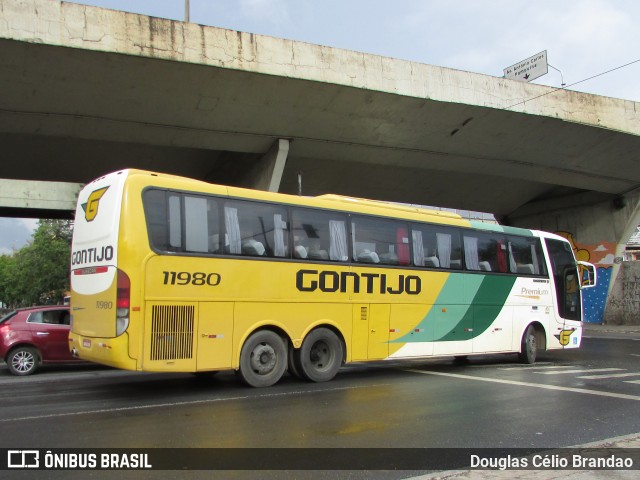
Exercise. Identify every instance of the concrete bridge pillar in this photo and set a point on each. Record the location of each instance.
(599, 232)
(267, 174)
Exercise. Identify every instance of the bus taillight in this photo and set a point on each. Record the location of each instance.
(122, 303)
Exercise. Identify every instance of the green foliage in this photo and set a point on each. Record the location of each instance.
(38, 274)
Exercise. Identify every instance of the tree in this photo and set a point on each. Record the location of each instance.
(39, 272)
(6, 267)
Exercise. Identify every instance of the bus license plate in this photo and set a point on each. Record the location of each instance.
(86, 343)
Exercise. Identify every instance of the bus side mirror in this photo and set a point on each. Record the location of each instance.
(588, 275)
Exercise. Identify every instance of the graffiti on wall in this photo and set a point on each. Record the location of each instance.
(602, 256)
(624, 299)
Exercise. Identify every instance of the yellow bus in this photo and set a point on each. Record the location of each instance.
(170, 274)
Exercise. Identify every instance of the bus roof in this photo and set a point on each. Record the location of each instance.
(333, 202)
(388, 205)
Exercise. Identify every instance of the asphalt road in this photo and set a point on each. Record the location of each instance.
(567, 398)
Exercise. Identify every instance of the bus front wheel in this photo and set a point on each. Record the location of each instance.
(320, 355)
(529, 346)
(263, 359)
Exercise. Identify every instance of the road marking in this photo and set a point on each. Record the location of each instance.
(588, 370)
(613, 375)
(191, 402)
(632, 381)
(527, 384)
(537, 366)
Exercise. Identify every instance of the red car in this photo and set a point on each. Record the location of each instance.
(30, 337)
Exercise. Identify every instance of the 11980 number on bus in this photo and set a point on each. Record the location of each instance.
(188, 278)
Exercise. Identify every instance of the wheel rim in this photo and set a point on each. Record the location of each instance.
(320, 355)
(263, 359)
(531, 344)
(23, 362)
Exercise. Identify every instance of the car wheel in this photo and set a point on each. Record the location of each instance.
(23, 361)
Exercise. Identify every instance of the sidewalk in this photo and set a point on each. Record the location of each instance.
(617, 331)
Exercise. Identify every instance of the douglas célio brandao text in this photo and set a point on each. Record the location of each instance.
(552, 461)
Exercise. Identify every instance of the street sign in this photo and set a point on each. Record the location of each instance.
(529, 68)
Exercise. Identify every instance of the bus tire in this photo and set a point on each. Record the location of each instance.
(321, 355)
(263, 359)
(23, 361)
(528, 346)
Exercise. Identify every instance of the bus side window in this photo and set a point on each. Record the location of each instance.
(435, 246)
(380, 241)
(525, 256)
(256, 229)
(201, 224)
(155, 206)
(319, 235)
(485, 252)
(164, 212)
(175, 224)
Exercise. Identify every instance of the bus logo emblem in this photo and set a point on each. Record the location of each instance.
(91, 207)
(564, 337)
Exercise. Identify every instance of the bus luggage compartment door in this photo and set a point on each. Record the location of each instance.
(370, 340)
(215, 333)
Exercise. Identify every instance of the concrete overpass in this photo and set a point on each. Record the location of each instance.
(87, 90)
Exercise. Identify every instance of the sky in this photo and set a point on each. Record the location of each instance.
(15, 233)
(583, 39)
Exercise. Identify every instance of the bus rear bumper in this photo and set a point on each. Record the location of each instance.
(113, 352)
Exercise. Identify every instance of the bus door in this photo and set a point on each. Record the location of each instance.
(567, 290)
(370, 339)
(215, 335)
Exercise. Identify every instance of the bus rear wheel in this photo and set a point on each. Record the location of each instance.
(263, 359)
(321, 355)
(529, 346)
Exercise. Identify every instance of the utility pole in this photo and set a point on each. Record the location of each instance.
(186, 11)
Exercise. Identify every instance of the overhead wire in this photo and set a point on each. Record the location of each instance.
(555, 89)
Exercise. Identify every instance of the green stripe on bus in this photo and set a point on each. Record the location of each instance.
(492, 227)
(474, 305)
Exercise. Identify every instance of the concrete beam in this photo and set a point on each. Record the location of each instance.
(568, 201)
(267, 174)
(16, 195)
(73, 25)
(359, 124)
